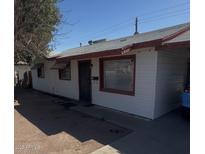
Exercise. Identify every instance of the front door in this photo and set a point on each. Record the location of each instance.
(84, 68)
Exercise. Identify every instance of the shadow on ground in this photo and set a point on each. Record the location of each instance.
(45, 113)
(169, 134)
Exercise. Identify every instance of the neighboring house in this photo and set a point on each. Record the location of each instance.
(19, 70)
(143, 74)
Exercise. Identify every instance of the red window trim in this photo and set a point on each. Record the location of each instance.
(101, 68)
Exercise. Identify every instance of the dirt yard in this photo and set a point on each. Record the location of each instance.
(42, 126)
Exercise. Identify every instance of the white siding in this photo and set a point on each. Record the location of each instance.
(21, 69)
(159, 81)
(52, 84)
(142, 103)
(171, 72)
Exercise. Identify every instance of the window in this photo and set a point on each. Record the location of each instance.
(117, 74)
(40, 71)
(65, 73)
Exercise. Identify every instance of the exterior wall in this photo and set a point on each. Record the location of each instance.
(21, 69)
(52, 84)
(142, 103)
(171, 73)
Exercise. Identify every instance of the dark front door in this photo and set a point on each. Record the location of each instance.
(85, 81)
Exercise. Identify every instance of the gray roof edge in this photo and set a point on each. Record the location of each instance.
(144, 33)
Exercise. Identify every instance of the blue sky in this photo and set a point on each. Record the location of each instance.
(85, 20)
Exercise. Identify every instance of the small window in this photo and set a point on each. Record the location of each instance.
(117, 75)
(40, 71)
(65, 73)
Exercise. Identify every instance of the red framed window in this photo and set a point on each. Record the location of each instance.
(117, 74)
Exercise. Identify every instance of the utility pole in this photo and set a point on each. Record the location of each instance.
(136, 26)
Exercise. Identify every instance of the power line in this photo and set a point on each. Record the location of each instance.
(146, 20)
(165, 17)
(162, 13)
(166, 8)
(149, 21)
(141, 20)
(143, 14)
(173, 13)
(146, 17)
(154, 20)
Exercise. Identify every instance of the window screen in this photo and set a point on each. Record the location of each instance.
(65, 73)
(118, 74)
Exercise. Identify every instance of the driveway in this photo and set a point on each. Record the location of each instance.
(43, 126)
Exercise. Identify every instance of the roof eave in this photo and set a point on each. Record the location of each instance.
(157, 43)
(174, 45)
(114, 52)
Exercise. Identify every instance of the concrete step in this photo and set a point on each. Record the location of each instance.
(122, 119)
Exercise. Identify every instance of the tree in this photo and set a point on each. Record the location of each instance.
(35, 26)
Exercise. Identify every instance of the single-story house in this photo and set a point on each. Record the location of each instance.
(143, 74)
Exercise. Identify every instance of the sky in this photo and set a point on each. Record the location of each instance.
(84, 20)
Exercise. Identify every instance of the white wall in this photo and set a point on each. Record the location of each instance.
(21, 69)
(171, 73)
(142, 103)
(52, 84)
(159, 81)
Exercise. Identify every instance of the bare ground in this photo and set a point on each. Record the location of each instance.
(42, 126)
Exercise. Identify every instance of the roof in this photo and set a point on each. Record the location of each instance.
(152, 38)
(181, 38)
